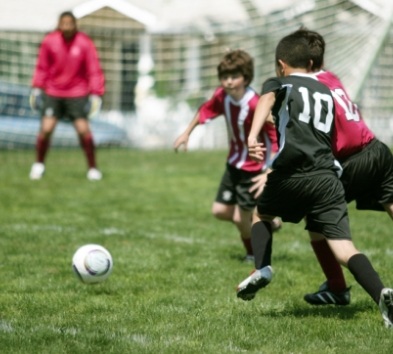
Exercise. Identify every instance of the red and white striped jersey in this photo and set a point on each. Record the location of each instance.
(351, 133)
(239, 116)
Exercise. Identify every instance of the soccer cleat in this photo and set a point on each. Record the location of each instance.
(94, 175)
(258, 279)
(324, 296)
(386, 306)
(37, 171)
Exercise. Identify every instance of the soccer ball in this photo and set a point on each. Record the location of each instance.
(92, 263)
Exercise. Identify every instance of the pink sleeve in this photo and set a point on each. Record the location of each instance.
(42, 66)
(213, 107)
(95, 74)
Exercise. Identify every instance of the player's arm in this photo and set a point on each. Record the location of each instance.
(39, 77)
(269, 136)
(42, 66)
(207, 111)
(94, 71)
(182, 139)
(96, 80)
(261, 115)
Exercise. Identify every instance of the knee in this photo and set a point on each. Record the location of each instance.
(45, 134)
(84, 134)
(238, 221)
(222, 212)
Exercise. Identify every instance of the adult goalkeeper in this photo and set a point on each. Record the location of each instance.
(68, 83)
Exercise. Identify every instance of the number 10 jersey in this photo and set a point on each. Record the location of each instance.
(304, 117)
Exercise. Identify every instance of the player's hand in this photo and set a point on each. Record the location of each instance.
(256, 150)
(259, 184)
(93, 106)
(182, 140)
(36, 99)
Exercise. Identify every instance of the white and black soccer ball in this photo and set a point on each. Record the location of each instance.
(92, 263)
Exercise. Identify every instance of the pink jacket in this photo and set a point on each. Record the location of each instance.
(68, 69)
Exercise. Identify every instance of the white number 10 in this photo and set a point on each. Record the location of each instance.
(322, 123)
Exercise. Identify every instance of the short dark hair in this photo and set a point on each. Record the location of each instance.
(317, 46)
(237, 61)
(67, 14)
(294, 50)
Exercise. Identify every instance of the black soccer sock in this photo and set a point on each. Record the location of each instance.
(365, 275)
(261, 240)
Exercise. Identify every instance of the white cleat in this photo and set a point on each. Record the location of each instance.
(94, 175)
(258, 279)
(37, 171)
(386, 307)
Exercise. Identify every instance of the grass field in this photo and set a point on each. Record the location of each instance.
(172, 289)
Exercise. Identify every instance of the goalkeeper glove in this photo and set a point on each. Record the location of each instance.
(93, 106)
(36, 99)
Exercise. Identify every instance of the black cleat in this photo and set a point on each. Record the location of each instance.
(326, 297)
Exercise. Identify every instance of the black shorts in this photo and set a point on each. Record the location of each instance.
(234, 188)
(65, 108)
(368, 177)
(317, 196)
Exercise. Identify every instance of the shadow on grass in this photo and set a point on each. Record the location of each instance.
(326, 311)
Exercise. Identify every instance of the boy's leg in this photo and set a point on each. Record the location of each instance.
(42, 147)
(48, 125)
(261, 238)
(87, 143)
(331, 268)
(334, 291)
(241, 219)
(86, 140)
(364, 273)
(358, 264)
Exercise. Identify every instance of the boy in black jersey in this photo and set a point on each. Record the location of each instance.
(304, 181)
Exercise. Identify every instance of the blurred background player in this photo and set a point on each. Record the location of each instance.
(367, 171)
(243, 178)
(304, 181)
(67, 84)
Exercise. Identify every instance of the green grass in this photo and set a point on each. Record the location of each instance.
(172, 289)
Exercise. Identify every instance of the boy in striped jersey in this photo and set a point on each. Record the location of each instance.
(243, 178)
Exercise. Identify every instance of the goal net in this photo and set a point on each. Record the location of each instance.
(160, 63)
